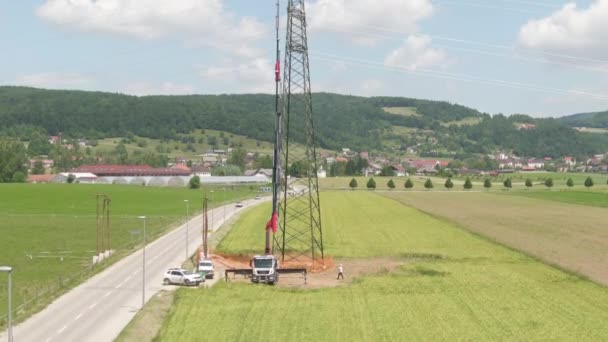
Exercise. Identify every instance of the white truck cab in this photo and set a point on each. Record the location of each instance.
(206, 266)
(264, 269)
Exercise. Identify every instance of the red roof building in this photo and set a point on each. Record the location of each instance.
(40, 178)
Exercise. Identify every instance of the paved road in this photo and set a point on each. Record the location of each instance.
(100, 308)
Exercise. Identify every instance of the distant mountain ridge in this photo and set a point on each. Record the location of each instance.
(593, 120)
(388, 124)
(340, 120)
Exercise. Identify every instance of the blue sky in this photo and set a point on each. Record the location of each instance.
(543, 58)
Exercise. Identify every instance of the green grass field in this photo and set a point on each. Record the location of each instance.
(48, 221)
(591, 198)
(466, 288)
(404, 111)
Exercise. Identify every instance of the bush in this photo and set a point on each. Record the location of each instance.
(371, 183)
(409, 184)
(549, 183)
(588, 182)
(507, 183)
(449, 184)
(487, 183)
(195, 182)
(19, 177)
(467, 184)
(353, 184)
(71, 178)
(428, 184)
(391, 184)
(570, 182)
(529, 183)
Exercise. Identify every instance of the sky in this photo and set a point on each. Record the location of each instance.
(541, 58)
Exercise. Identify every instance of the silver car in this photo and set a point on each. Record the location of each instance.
(182, 277)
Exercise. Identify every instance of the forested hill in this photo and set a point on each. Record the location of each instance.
(340, 121)
(594, 120)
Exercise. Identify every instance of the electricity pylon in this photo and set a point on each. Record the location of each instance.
(300, 234)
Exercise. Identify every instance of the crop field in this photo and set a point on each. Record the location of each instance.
(574, 237)
(49, 230)
(453, 285)
(590, 198)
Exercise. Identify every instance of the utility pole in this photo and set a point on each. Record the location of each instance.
(300, 230)
(143, 268)
(187, 222)
(205, 227)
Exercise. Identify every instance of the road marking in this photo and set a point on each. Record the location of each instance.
(62, 329)
(107, 294)
(78, 317)
(48, 340)
(119, 286)
(92, 305)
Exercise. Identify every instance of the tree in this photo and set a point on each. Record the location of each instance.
(195, 182)
(449, 184)
(588, 182)
(298, 169)
(549, 183)
(238, 158)
(428, 184)
(13, 159)
(121, 154)
(71, 178)
(39, 145)
(19, 177)
(487, 183)
(371, 183)
(507, 183)
(227, 170)
(38, 168)
(391, 184)
(570, 182)
(467, 184)
(528, 183)
(353, 184)
(387, 171)
(409, 184)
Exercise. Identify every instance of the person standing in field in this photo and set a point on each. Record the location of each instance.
(340, 272)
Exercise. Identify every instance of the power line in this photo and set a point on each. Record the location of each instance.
(453, 76)
(463, 41)
(513, 55)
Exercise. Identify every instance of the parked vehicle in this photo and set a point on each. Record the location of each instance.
(182, 277)
(239, 204)
(205, 266)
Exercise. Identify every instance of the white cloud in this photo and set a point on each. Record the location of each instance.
(200, 22)
(253, 76)
(54, 80)
(415, 54)
(570, 29)
(358, 15)
(166, 88)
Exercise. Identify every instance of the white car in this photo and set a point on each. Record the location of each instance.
(239, 204)
(258, 197)
(206, 266)
(181, 276)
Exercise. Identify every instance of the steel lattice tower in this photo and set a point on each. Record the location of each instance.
(300, 234)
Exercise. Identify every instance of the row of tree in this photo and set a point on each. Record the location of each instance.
(428, 184)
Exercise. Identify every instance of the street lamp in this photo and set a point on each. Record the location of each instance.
(212, 209)
(224, 200)
(187, 219)
(143, 270)
(9, 270)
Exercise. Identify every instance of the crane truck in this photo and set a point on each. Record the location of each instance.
(265, 268)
